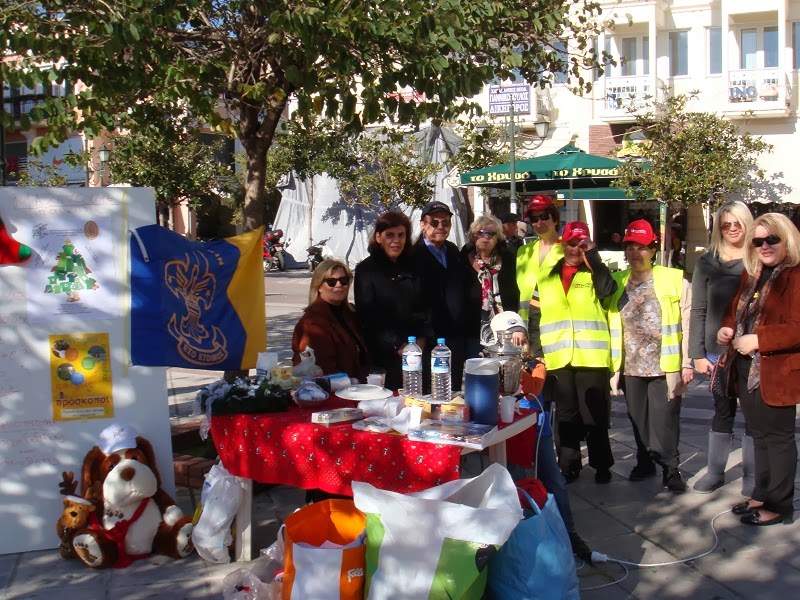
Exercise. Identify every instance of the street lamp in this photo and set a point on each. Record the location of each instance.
(103, 153)
(541, 129)
(514, 139)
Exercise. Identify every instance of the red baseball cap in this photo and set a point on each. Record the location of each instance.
(538, 203)
(639, 232)
(575, 230)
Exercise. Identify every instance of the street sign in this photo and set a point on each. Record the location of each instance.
(503, 97)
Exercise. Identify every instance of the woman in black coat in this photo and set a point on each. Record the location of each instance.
(389, 296)
(493, 264)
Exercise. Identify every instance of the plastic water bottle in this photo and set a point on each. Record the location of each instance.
(440, 372)
(412, 367)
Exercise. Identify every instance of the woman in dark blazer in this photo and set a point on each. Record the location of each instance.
(762, 333)
(493, 263)
(389, 296)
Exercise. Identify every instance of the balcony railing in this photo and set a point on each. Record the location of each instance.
(623, 94)
(758, 90)
(20, 102)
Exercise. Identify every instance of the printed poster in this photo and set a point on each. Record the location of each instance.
(73, 270)
(80, 377)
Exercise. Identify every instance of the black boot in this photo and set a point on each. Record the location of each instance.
(644, 469)
(673, 481)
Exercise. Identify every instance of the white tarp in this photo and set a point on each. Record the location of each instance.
(312, 210)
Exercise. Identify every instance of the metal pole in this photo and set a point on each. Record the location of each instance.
(2, 128)
(512, 164)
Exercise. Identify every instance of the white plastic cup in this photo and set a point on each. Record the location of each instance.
(507, 406)
(377, 376)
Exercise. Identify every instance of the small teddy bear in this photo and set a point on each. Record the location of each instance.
(73, 518)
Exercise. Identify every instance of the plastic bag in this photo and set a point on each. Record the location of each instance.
(241, 584)
(436, 543)
(308, 365)
(220, 497)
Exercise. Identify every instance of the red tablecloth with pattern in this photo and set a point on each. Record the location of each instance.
(288, 449)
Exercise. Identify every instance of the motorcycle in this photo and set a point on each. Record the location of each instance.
(316, 254)
(272, 249)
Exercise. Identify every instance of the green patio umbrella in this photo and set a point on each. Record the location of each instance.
(585, 176)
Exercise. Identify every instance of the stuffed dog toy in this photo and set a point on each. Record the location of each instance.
(132, 517)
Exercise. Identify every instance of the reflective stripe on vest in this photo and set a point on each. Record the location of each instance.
(573, 327)
(668, 287)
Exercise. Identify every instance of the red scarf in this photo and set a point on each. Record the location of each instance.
(118, 533)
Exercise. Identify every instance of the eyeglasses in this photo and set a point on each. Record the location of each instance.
(542, 217)
(486, 233)
(331, 281)
(436, 222)
(772, 240)
(726, 225)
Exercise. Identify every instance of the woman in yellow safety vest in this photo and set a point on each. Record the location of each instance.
(649, 323)
(569, 330)
(545, 252)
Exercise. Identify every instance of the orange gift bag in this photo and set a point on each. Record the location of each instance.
(325, 552)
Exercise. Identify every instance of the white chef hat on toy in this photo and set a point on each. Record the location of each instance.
(118, 436)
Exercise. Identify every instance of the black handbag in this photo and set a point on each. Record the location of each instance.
(723, 377)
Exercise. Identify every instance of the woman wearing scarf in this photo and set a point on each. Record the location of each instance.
(762, 333)
(493, 263)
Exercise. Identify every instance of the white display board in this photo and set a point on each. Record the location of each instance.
(79, 239)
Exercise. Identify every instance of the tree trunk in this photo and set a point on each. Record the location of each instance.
(256, 138)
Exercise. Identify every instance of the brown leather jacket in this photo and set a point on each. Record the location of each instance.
(778, 337)
(335, 349)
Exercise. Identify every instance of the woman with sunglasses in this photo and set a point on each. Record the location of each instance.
(714, 284)
(329, 324)
(542, 254)
(761, 331)
(389, 296)
(570, 330)
(495, 286)
(648, 319)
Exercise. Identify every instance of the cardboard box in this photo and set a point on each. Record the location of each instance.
(444, 411)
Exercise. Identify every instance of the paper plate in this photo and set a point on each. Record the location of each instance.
(364, 391)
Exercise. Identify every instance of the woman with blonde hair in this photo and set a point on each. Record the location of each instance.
(494, 264)
(761, 331)
(714, 284)
(329, 324)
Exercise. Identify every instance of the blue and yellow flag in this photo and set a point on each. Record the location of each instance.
(198, 305)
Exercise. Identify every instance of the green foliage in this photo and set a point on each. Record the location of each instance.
(235, 64)
(169, 156)
(386, 172)
(39, 174)
(481, 146)
(691, 157)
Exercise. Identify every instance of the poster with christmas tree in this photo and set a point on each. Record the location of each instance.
(70, 275)
(73, 270)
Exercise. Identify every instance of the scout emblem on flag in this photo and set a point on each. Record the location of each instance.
(198, 305)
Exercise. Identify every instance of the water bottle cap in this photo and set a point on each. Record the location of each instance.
(440, 341)
(412, 339)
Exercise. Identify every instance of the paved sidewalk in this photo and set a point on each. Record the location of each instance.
(635, 522)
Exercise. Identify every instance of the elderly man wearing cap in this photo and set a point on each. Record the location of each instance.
(446, 284)
(511, 231)
(544, 253)
(649, 322)
(569, 329)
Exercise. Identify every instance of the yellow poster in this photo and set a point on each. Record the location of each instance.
(80, 376)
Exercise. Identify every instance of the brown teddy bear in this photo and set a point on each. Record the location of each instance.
(74, 517)
(132, 517)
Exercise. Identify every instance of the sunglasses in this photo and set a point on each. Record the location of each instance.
(726, 225)
(542, 217)
(574, 243)
(437, 222)
(331, 281)
(772, 240)
(486, 233)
